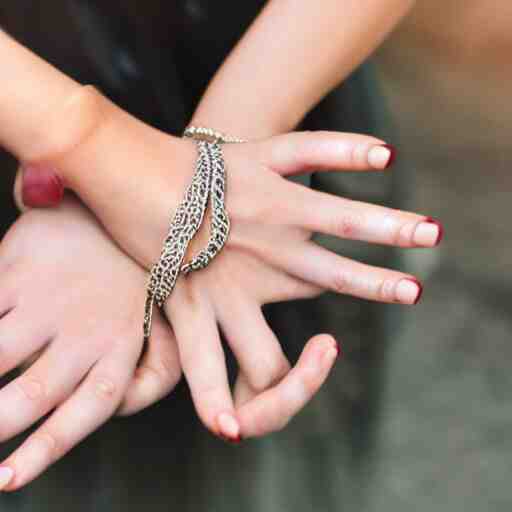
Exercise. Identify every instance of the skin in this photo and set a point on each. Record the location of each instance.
(86, 378)
(269, 257)
(73, 140)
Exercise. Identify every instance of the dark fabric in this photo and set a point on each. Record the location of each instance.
(155, 59)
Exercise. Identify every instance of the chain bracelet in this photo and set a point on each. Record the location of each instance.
(220, 225)
(208, 134)
(209, 181)
(185, 224)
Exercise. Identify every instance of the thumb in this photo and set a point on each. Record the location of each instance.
(40, 186)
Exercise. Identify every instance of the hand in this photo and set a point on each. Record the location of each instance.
(69, 309)
(269, 256)
(70, 318)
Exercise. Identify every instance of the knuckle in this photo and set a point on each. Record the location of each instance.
(404, 235)
(341, 282)
(104, 388)
(164, 371)
(271, 373)
(386, 290)
(353, 155)
(31, 387)
(348, 226)
(47, 442)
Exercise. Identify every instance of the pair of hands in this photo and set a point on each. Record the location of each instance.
(72, 301)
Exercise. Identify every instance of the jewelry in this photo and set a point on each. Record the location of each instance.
(220, 224)
(209, 181)
(219, 229)
(185, 224)
(202, 133)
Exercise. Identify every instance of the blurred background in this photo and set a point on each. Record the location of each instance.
(435, 398)
(445, 438)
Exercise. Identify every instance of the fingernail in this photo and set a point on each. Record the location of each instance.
(6, 475)
(339, 352)
(41, 187)
(382, 156)
(330, 355)
(428, 233)
(408, 291)
(228, 427)
(234, 440)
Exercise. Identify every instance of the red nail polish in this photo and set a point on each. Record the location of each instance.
(392, 156)
(231, 440)
(420, 287)
(440, 227)
(338, 350)
(41, 187)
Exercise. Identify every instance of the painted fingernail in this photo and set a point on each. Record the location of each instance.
(339, 352)
(408, 291)
(41, 187)
(6, 475)
(330, 355)
(228, 427)
(382, 156)
(428, 233)
(233, 440)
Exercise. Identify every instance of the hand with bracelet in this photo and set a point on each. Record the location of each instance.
(268, 256)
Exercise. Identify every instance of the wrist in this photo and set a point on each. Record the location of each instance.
(241, 124)
(88, 132)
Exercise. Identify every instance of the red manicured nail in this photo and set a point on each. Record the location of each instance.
(392, 155)
(420, 288)
(231, 440)
(338, 349)
(41, 187)
(439, 226)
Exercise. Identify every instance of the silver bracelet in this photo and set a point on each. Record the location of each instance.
(208, 134)
(220, 224)
(209, 181)
(184, 225)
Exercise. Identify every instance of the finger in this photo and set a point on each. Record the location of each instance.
(39, 389)
(243, 392)
(20, 339)
(330, 271)
(202, 360)
(157, 373)
(41, 187)
(254, 344)
(273, 409)
(301, 152)
(353, 220)
(92, 404)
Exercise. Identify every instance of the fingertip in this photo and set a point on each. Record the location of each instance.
(382, 156)
(329, 348)
(229, 427)
(41, 187)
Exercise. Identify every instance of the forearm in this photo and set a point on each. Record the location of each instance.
(31, 91)
(294, 53)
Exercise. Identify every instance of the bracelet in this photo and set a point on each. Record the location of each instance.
(220, 224)
(209, 181)
(184, 225)
(208, 134)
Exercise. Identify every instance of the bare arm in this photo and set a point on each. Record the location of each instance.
(31, 90)
(294, 53)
